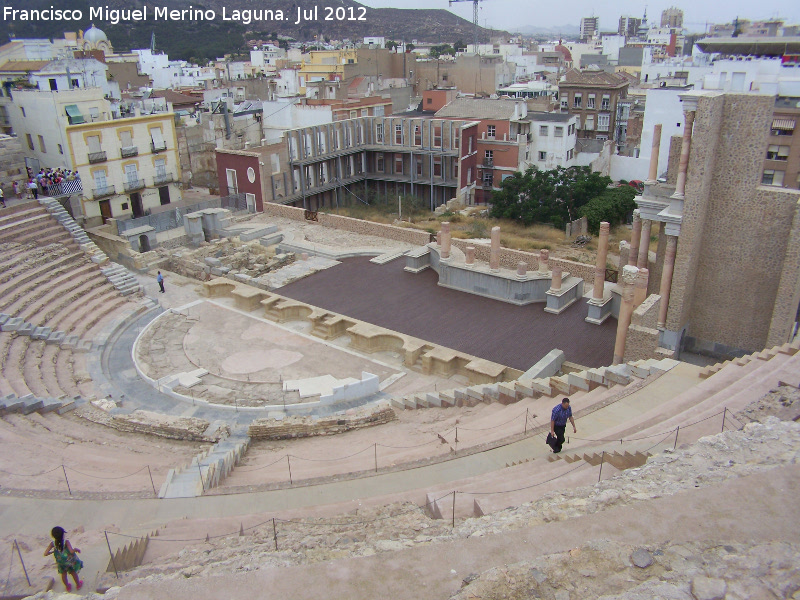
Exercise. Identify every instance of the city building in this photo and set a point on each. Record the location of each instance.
(782, 158)
(592, 95)
(629, 26)
(672, 17)
(590, 26)
(127, 166)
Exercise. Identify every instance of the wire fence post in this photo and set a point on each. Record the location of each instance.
(275, 533)
(454, 509)
(724, 414)
(202, 481)
(376, 456)
(155, 495)
(526, 421)
(289, 464)
(69, 489)
(111, 554)
(677, 430)
(24, 570)
(456, 439)
(602, 460)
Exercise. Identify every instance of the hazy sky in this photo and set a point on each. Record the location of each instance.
(507, 14)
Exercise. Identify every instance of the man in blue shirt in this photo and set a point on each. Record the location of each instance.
(558, 423)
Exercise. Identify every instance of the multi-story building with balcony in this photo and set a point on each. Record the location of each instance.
(127, 166)
(782, 159)
(592, 95)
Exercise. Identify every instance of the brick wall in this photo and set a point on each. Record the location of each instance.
(300, 427)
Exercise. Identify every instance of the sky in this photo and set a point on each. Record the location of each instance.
(510, 14)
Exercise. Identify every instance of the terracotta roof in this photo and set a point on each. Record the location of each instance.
(565, 51)
(22, 66)
(176, 97)
(593, 78)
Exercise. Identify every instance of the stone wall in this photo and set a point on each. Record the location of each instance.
(189, 429)
(577, 227)
(735, 244)
(674, 159)
(788, 293)
(12, 164)
(300, 427)
(116, 248)
(400, 234)
(642, 339)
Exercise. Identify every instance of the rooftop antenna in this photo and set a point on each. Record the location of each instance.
(474, 18)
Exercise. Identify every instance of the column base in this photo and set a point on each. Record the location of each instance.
(599, 310)
(560, 300)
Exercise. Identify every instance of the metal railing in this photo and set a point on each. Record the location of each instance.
(165, 178)
(97, 157)
(160, 147)
(129, 151)
(134, 184)
(488, 162)
(103, 191)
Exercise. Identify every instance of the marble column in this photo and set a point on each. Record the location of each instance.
(644, 244)
(640, 287)
(636, 234)
(470, 261)
(555, 284)
(629, 275)
(600, 265)
(666, 278)
(522, 269)
(686, 146)
(544, 261)
(652, 176)
(445, 240)
(494, 255)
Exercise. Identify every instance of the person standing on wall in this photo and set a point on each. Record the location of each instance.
(558, 424)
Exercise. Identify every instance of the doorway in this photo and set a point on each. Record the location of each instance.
(144, 243)
(163, 194)
(136, 205)
(105, 210)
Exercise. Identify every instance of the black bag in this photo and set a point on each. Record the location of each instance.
(552, 441)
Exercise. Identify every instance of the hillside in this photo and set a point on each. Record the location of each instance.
(210, 39)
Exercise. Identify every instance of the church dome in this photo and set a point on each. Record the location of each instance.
(94, 35)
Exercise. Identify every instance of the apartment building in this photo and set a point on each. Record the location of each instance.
(782, 160)
(590, 27)
(592, 95)
(127, 166)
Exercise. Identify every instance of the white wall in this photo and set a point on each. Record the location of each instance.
(663, 106)
(628, 168)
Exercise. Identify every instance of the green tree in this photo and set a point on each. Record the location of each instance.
(391, 45)
(437, 51)
(612, 205)
(552, 197)
(460, 46)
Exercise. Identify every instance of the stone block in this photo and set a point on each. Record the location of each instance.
(507, 392)
(432, 507)
(4, 317)
(12, 324)
(41, 333)
(524, 388)
(25, 329)
(542, 386)
(547, 366)
(580, 380)
(213, 262)
(448, 398)
(433, 399)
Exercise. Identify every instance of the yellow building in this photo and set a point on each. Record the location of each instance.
(127, 166)
(325, 65)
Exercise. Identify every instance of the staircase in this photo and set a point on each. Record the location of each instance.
(206, 469)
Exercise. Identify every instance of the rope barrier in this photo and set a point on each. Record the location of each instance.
(99, 477)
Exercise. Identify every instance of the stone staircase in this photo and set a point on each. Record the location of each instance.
(29, 403)
(206, 469)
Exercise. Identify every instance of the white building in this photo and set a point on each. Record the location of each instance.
(265, 59)
(553, 140)
(378, 41)
(282, 115)
(69, 73)
(170, 74)
(611, 45)
(531, 89)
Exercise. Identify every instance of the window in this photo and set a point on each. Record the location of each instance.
(233, 185)
(542, 155)
(589, 123)
(29, 140)
(93, 141)
(564, 104)
(437, 136)
(488, 179)
(490, 131)
(364, 112)
(602, 138)
(775, 152)
(488, 157)
(41, 144)
(23, 114)
(275, 160)
(590, 101)
(353, 114)
(469, 175)
(398, 165)
(60, 149)
(605, 103)
(100, 180)
(379, 167)
(430, 101)
(157, 139)
(544, 130)
(570, 154)
(571, 129)
(398, 134)
(417, 135)
(437, 166)
(379, 133)
(378, 111)
(469, 149)
(772, 177)
(782, 126)
(603, 122)
(126, 139)
(558, 131)
(577, 101)
(455, 169)
(419, 167)
(161, 169)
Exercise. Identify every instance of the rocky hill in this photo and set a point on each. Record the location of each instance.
(205, 39)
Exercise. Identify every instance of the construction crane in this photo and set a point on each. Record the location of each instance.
(474, 18)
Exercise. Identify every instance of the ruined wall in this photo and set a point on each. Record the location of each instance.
(788, 294)
(642, 339)
(300, 427)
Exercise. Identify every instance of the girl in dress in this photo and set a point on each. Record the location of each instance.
(66, 557)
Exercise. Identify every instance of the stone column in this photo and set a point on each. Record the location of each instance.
(654, 152)
(439, 238)
(636, 234)
(644, 244)
(555, 285)
(640, 288)
(522, 269)
(445, 240)
(686, 146)
(600, 265)
(666, 278)
(544, 260)
(470, 256)
(629, 275)
(494, 255)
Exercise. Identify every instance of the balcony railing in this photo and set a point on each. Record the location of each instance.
(158, 147)
(487, 184)
(103, 192)
(134, 184)
(165, 178)
(129, 151)
(488, 162)
(97, 157)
